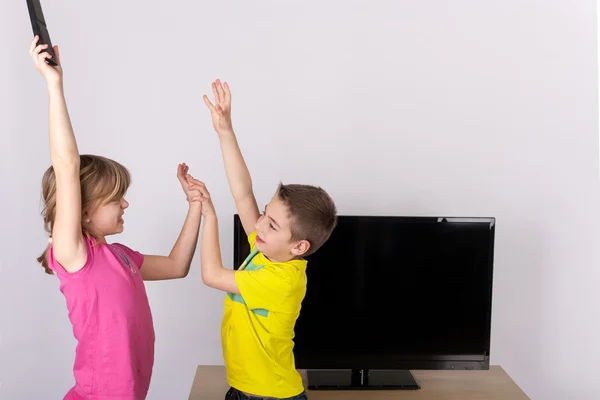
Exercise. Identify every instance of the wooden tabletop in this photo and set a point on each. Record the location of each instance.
(210, 383)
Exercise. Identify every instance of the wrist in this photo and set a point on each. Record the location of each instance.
(226, 132)
(194, 206)
(209, 214)
(55, 86)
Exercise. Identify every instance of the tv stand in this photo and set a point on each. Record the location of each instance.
(361, 379)
(210, 383)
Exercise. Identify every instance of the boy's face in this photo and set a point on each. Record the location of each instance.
(273, 233)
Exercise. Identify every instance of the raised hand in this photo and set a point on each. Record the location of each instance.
(51, 74)
(183, 176)
(203, 197)
(221, 110)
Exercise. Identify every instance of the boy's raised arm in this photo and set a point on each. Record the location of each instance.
(238, 176)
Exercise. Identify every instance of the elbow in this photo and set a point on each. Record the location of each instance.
(183, 274)
(182, 271)
(207, 279)
(241, 195)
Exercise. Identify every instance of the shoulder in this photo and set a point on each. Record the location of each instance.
(90, 248)
(292, 267)
(294, 271)
(127, 254)
(120, 246)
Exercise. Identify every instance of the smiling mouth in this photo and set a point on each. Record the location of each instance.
(120, 220)
(259, 240)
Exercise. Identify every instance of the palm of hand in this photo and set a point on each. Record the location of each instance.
(49, 72)
(221, 110)
(222, 121)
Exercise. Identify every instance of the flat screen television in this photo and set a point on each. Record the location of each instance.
(388, 294)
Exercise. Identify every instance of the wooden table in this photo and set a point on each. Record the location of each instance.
(210, 383)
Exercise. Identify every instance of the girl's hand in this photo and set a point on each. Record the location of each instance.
(203, 196)
(52, 74)
(182, 175)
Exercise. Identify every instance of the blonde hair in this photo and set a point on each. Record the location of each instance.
(102, 180)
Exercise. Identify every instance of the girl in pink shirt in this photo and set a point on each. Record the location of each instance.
(84, 201)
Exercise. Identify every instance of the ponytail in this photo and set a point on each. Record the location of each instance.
(43, 259)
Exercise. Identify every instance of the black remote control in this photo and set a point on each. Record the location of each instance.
(38, 24)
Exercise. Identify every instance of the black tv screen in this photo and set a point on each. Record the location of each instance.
(396, 293)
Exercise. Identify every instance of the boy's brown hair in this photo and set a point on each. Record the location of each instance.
(313, 214)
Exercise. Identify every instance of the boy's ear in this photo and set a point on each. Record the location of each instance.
(300, 248)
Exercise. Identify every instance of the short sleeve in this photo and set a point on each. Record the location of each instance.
(61, 271)
(264, 288)
(134, 257)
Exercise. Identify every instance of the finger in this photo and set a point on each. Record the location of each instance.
(227, 94)
(196, 182)
(195, 193)
(39, 48)
(197, 199)
(202, 190)
(216, 93)
(42, 57)
(220, 91)
(192, 183)
(219, 110)
(208, 103)
(198, 188)
(34, 42)
(57, 55)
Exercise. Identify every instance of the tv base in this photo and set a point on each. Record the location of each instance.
(365, 379)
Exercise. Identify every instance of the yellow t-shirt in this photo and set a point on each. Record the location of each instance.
(258, 326)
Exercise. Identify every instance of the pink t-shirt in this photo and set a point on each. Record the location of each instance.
(112, 322)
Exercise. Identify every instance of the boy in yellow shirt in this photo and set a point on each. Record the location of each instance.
(264, 295)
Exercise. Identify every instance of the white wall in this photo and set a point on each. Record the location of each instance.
(462, 108)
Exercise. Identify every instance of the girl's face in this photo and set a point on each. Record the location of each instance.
(107, 219)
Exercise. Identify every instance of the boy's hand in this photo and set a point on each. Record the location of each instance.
(183, 176)
(51, 74)
(204, 197)
(221, 111)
